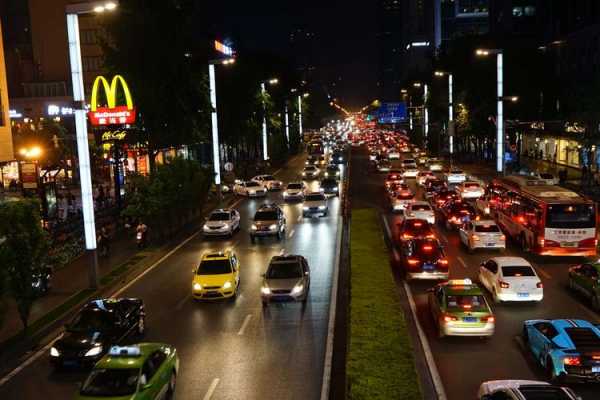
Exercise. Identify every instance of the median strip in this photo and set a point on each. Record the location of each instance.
(380, 362)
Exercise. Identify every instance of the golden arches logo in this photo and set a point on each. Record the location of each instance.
(112, 114)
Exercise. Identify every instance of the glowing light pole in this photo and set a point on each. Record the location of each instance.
(265, 141)
(83, 151)
(450, 109)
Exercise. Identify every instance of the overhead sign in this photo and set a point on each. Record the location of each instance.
(223, 48)
(391, 113)
(112, 114)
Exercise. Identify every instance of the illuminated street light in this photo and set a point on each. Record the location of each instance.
(263, 90)
(450, 109)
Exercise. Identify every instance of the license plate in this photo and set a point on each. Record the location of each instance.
(490, 244)
(523, 294)
(595, 369)
(568, 244)
(470, 319)
(428, 267)
(70, 363)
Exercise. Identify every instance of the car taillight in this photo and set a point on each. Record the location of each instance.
(502, 237)
(539, 285)
(450, 318)
(488, 319)
(541, 241)
(591, 242)
(475, 238)
(413, 261)
(443, 261)
(504, 285)
(406, 236)
(573, 361)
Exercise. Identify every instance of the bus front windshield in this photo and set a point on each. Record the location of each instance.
(567, 216)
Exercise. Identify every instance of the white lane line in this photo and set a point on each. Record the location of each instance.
(211, 389)
(245, 324)
(299, 218)
(543, 272)
(292, 233)
(461, 261)
(282, 252)
(435, 375)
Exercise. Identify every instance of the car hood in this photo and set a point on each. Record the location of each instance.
(213, 280)
(283, 284)
(314, 203)
(264, 223)
(216, 224)
(80, 340)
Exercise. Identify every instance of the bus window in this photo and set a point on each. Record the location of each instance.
(567, 216)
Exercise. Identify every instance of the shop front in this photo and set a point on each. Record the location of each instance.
(557, 143)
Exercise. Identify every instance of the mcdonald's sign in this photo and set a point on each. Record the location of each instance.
(112, 114)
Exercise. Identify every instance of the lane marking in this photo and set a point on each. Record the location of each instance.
(245, 324)
(542, 272)
(182, 302)
(299, 218)
(435, 375)
(292, 233)
(282, 251)
(211, 389)
(462, 262)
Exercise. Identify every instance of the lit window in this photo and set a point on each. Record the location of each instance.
(530, 11)
(517, 11)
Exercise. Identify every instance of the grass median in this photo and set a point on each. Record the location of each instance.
(380, 362)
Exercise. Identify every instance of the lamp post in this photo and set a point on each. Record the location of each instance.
(425, 110)
(214, 121)
(450, 110)
(263, 91)
(85, 175)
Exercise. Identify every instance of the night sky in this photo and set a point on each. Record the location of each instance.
(345, 50)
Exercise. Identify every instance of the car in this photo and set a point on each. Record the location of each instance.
(434, 186)
(455, 176)
(420, 210)
(456, 213)
(566, 348)
(338, 157)
(269, 182)
(547, 178)
(294, 191)
(410, 229)
(482, 234)
(518, 389)
(393, 154)
(423, 259)
(136, 372)
(96, 327)
(400, 199)
(287, 279)
(459, 308)
(585, 279)
(332, 171)
(269, 220)
(315, 204)
(217, 276)
(511, 279)
(410, 172)
(469, 190)
(311, 172)
(222, 222)
(249, 189)
(384, 166)
(330, 186)
(311, 160)
(423, 177)
(435, 165)
(442, 198)
(492, 198)
(393, 177)
(409, 163)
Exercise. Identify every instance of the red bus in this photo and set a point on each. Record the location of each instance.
(545, 219)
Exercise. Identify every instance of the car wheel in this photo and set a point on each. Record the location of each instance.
(141, 328)
(172, 383)
(550, 370)
(265, 304)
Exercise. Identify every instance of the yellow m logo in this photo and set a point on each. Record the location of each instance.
(111, 92)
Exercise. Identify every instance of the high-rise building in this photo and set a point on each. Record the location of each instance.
(389, 14)
(6, 146)
(463, 17)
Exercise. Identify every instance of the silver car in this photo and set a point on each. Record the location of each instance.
(222, 222)
(287, 279)
(269, 220)
(315, 204)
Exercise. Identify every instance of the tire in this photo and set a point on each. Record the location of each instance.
(141, 326)
(550, 371)
(172, 384)
(265, 304)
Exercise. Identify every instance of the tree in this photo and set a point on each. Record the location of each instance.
(23, 252)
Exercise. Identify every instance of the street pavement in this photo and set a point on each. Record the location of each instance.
(464, 363)
(229, 349)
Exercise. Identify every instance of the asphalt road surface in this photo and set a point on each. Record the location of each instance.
(229, 350)
(464, 363)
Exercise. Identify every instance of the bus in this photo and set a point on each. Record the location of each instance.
(545, 219)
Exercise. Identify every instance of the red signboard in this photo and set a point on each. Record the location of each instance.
(29, 175)
(112, 116)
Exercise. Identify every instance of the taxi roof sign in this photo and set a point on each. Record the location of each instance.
(125, 351)
(460, 282)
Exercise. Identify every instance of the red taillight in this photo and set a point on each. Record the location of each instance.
(443, 261)
(430, 236)
(502, 237)
(504, 285)
(450, 318)
(591, 242)
(413, 261)
(475, 238)
(573, 361)
(488, 319)
(427, 248)
(539, 285)
(407, 236)
(418, 224)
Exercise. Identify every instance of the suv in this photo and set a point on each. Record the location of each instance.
(315, 203)
(269, 220)
(268, 181)
(287, 279)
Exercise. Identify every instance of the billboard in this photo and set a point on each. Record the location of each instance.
(111, 114)
(391, 113)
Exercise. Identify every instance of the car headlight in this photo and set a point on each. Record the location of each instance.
(252, 191)
(197, 287)
(227, 285)
(205, 227)
(304, 174)
(54, 352)
(265, 290)
(253, 227)
(297, 289)
(94, 351)
(273, 227)
(326, 173)
(322, 207)
(335, 189)
(305, 208)
(285, 193)
(225, 226)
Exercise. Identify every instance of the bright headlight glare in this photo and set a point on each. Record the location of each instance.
(253, 227)
(285, 193)
(227, 285)
(322, 207)
(54, 352)
(265, 290)
(297, 289)
(197, 286)
(305, 208)
(273, 227)
(205, 227)
(94, 351)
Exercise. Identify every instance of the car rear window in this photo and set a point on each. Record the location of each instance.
(421, 207)
(546, 176)
(466, 303)
(543, 392)
(409, 161)
(517, 271)
(456, 172)
(219, 216)
(583, 338)
(295, 186)
(492, 228)
(472, 185)
(405, 196)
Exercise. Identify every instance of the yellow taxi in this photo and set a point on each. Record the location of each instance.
(217, 276)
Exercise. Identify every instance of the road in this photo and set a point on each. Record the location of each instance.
(464, 363)
(229, 350)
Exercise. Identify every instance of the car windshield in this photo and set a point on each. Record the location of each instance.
(546, 176)
(409, 161)
(252, 184)
(214, 267)
(421, 207)
(466, 303)
(265, 216)
(294, 186)
(567, 216)
(314, 197)
(111, 382)
(268, 178)
(332, 169)
(219, 216)
(284, 270)
(311, 168)
(491, 228)
(517, 271)
(91, 321)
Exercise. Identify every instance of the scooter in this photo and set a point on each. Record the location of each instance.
(140, 239)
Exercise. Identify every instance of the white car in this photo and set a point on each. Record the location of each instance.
(420, 210)
(517, 389)
(249, 188)
(393, 155)
(511, 279)
(409, 163)
(294, 191)
(399, 201)
(315, 204)
(435, 165)
(222, 222)
(455, 176)
(269, 182)
(422, 177)
(310, 172)
(547, 178)
(483, 234)
(470, 190)
(410, 172)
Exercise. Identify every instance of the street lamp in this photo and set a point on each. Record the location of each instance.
(450, 109)
(425, 110)
(214, 121)
(85, 176)
(500, 103)
(31, 152)
(263, 91)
